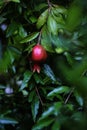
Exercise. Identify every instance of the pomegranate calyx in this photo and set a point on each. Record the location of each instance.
(36, 68)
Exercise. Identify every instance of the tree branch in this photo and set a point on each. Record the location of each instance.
(49, 4)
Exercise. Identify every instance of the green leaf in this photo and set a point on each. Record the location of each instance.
(59, 90)
(69, 58)
(38, 78)
(5, 120)
(79, 98)
(52, 25)
(12, 29)
(22, 31)
(58, 43)
(45, 40)
(48, 112)
(7, 60)
(2, 87)
(52, 110)
(57, 107)
(1, 2)
(25, 93)
(29, 47)
(70, 107)
(74, 17)
(15, 50)
(46, 80)
(30, 37)
(27, 77)
(31, 95)
(2, 19)
(33, 19)
(42, 19)
(40, 6)
(56, 125)
(35, 106)
(58, 17)
(48, 71)
(17, 1)
(59, 10)
(43, 123)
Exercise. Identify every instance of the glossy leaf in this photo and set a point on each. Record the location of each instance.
(22, 31)
(35, 107)
(30, 37)
(59, 90)
(59, 10)
(5, 120)
(57, 107)
(52, 25)
(42, 19)
(2, 87)
(48, 71)
(31, 96)
(27, 77)
(79, 99)
(17, 1)
(43, 123)
(58, 16)
(47, 112)
(45, 40)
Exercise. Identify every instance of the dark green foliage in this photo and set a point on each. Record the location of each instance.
(55, 98)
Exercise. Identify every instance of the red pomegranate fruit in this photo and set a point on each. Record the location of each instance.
(39, 54)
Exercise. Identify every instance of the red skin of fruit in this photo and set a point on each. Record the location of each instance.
(39, 54)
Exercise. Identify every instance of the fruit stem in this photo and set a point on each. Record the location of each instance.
(39, 38)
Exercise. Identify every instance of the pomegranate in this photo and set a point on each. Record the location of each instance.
(39, 54)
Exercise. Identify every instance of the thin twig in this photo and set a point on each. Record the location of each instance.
(39, 96)
(83, 73)
(68, 97)
(39, 38)
(49, 4)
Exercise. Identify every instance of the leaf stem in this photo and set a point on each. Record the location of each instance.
(39, 96)
(68, 97)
